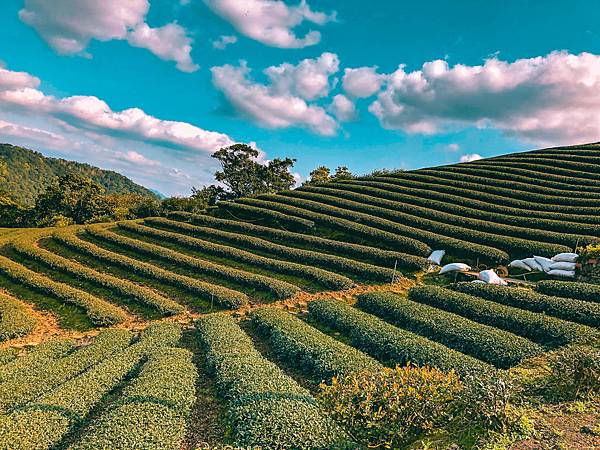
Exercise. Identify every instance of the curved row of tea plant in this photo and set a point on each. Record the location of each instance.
(389, 344)
(306, 348)
(577, 290)
(36, 359)
(267, 408)
(15, 320)
(325, 261)
(542, 166)
(489, 344)
(547, 331)
(99, 311)
(224, 297)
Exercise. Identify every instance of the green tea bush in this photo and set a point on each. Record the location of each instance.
(326, 278)
(267, 408)
(99, 311)
(15, 320)
(579, 311)
(224, 297)
(316, 259)
(391, 408)
(26, 246)
(570, 289)
(540, 328)
(568, 168)
(574, 373)
(387, 343)
(497, 347)
(280, 289)
(281, 219)
(306, 348)
(385, 258)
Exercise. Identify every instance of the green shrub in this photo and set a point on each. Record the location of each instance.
(540, 328)
(281, 219)
(497, 347)
(26, 245)
(567, 168)
(280, 289)
(100, 312)
(568, 309)
(316, 259)
(306, 348)
(575, 373)
(15, 320)
(385, 258)
(389, 344)
(323, 277)
(570, 289)
(267, 408)
(390, 408)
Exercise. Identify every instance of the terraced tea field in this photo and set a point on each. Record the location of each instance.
(221, 326)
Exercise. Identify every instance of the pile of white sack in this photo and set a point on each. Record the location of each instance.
(485, 276)
(561, 265)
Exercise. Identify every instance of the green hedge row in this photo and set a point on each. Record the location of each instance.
(587, 163)
(324, 277)
(43, 423)
(425, 192)
(30, 385)
(386, 258)
(224, 297)
(15, 320)
(560, 232)
(389, 344)
(7, 355)
(267, 408)
(542, 166)
(570, 289)
(36, 359)
(151, 413)
(497, 347)
(391, 221)
(323, 260)
(481, 231)
(280, 289)
(282, 220)
(306, 348)
(531, 184)
(437, 177)
(485, 197)
(540, 328)
(26, 246)
(583, 312)
(370, 234)
(100, 312)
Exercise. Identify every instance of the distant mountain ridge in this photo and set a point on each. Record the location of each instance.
(25, 173)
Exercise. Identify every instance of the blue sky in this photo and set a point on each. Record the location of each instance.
(152, 87)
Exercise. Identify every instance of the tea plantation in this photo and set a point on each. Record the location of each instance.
(198, 331)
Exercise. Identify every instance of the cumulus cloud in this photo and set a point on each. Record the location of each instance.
(362, 82)
(68, 26)
(271, 21)
(280, 104)
(223, 41)
(453, 147)
(548, 99)
(470, 157)
(14, 131)
(343, 108)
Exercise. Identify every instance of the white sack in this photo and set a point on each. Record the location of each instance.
(478, 281)
(565, 257)
(491, 277)
(533, 264)
(436, 256)
(544, 262)
(518, 264)
(562, 273)
(455, 267)
(563, 266)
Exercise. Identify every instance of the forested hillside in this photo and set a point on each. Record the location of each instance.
(24, 174)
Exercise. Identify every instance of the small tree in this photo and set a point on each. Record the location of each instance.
(342, 173)
(321, 174)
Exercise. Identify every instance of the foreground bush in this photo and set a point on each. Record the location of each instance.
(15, 321)
(575, 373)
(391, 407)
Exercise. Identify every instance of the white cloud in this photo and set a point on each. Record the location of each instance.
(362, 82)
(470, 157)
(137, 158)
(343, 108)
(223, 41)
(453, 147)
(309, 79)
(551, 99)
(68, 26)
(11, 131)
(276, 105)
(271, 21)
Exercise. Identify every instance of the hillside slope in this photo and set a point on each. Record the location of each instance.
(24, 174)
